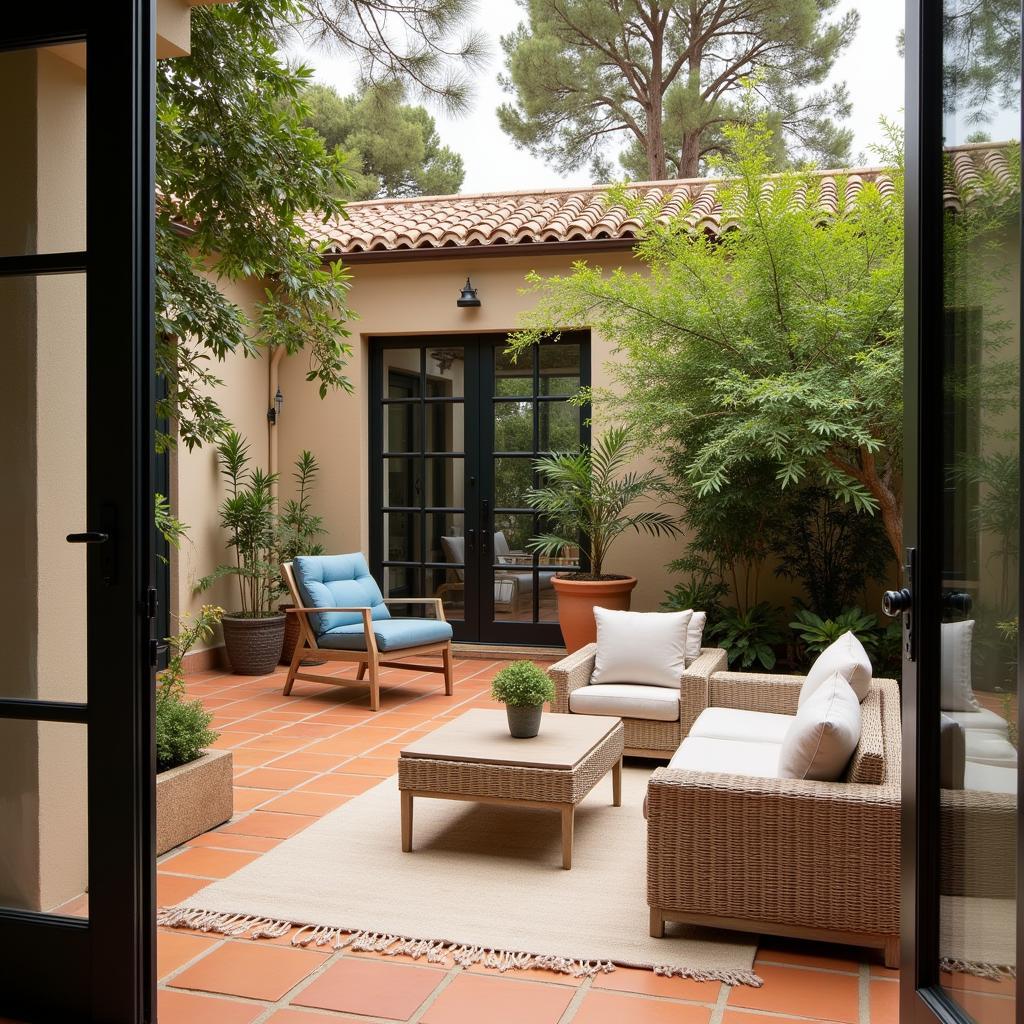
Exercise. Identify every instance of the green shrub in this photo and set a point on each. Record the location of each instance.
(817, 633)
(749, 637)
(182, 726)
(522, 684)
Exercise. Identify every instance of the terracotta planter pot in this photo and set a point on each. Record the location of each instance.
(193, 798)
(253, 645)
(577, 600)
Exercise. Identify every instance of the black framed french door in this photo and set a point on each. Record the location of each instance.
(962, 912)
(77, 763)
(455, 427)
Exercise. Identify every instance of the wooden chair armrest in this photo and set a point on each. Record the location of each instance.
(321, 611)
(437, 603)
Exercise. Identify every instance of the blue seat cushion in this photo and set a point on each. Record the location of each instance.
(391, 635)
(338, 581)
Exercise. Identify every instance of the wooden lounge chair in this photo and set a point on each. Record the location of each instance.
(343, 616)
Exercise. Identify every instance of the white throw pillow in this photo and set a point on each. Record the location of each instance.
(956, 692)
(640, 647)
(695, 634)
(846, 656)
(824, 733)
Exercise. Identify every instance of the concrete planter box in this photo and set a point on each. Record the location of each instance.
(193, 798)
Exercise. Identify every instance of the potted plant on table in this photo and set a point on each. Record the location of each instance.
(523, 688)
(587, 494)
(254, 633)
(193, 784)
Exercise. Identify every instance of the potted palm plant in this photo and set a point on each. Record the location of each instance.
(586, 495)
(254, 633)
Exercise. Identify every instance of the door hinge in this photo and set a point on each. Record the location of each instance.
(152, 603)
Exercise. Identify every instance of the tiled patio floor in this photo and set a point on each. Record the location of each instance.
(299, 757)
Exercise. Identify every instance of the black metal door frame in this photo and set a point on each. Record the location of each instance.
(103, 968)
(478, 625)
(922, 1000)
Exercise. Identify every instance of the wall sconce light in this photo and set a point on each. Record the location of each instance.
(275, 410)
(468, 297)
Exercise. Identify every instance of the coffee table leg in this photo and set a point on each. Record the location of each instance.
(568, 820)
(406, 821)
(617, 783)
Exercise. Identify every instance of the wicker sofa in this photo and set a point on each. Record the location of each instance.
(791, 857)
(643, 737)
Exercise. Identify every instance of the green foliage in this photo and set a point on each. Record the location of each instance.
(817, 633)
(183, 727)
(390, 148)
(666, 77)
(298, 527)
(248, 515)
(701, 592)
(777, 345)
(522, 684)
(830, 548)
(589, 492)
(172, 529)
(235, 163)
(749, 638)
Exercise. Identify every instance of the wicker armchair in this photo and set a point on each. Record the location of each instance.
(644, 738)
(792, 857)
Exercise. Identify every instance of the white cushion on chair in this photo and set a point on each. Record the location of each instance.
(731, 757)
(735, 724)
(627, 700)
(640, 647)
(956, 641)
(824, 734)
(989, 748)
(980, 720)
(695, 634)
(845, 656)
(988, 778)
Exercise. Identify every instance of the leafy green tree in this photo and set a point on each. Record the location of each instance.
(668, 77)
(390, 147)
(235, 168)
(779, 343)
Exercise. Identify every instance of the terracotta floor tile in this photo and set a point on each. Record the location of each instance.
(750, 1017)
(648, 983)
(229, 739)
(252, 757)
(968, 982)
(173, 949)
(183, 1008)
(207, 863)
(381, 767)
(251, 969)
(309, 1017)
(306, 803)
(255, 844)
(311, 730)
(885, 1002)
(529, 974)
(616, 1008)
(802, 993)
(336, 782)
(373, 988)
(246, 799)
(304, 762)
(389, 750)
(806, 954)
(986, 1009)
(265, 823)
(171, 889)
(274, 778)
(283, 745)
(472, 998)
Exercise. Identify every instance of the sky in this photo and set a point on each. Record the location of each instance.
(871, 67)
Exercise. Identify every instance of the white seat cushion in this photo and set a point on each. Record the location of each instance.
(734, 724)
(730, 757)
(627, 700)
(988, 778)
(956, 641)
(982, 720)
(989, 748)
(824, 733)
(640, 647)
(845, 656)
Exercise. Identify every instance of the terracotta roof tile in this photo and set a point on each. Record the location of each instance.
(558, 216)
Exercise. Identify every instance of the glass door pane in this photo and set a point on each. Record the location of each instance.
(980, 442)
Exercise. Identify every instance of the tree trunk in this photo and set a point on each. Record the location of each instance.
(656, 170)
(689, 155)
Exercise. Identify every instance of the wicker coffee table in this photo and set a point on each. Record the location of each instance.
(475, 758)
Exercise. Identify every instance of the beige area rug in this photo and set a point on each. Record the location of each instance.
(978, 936)
(484, 885)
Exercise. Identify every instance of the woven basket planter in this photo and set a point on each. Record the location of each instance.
(291, 638)
(253, 645)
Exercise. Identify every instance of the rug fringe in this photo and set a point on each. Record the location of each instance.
(992, 972)
(437, 951)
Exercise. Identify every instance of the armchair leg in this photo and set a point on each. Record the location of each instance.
(449, 685)
(293, 667)
(892, 952)
(374, 681)
(657, 924)
(361, 673)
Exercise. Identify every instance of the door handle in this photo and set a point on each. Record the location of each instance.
(896, 602)
(471, 542)
(485, 520)
(901, 602)
(89, 537)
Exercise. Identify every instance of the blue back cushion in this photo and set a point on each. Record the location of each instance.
(332, 581)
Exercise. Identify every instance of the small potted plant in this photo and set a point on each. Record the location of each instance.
(523, 688)
(586, 494)
(254, 633)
